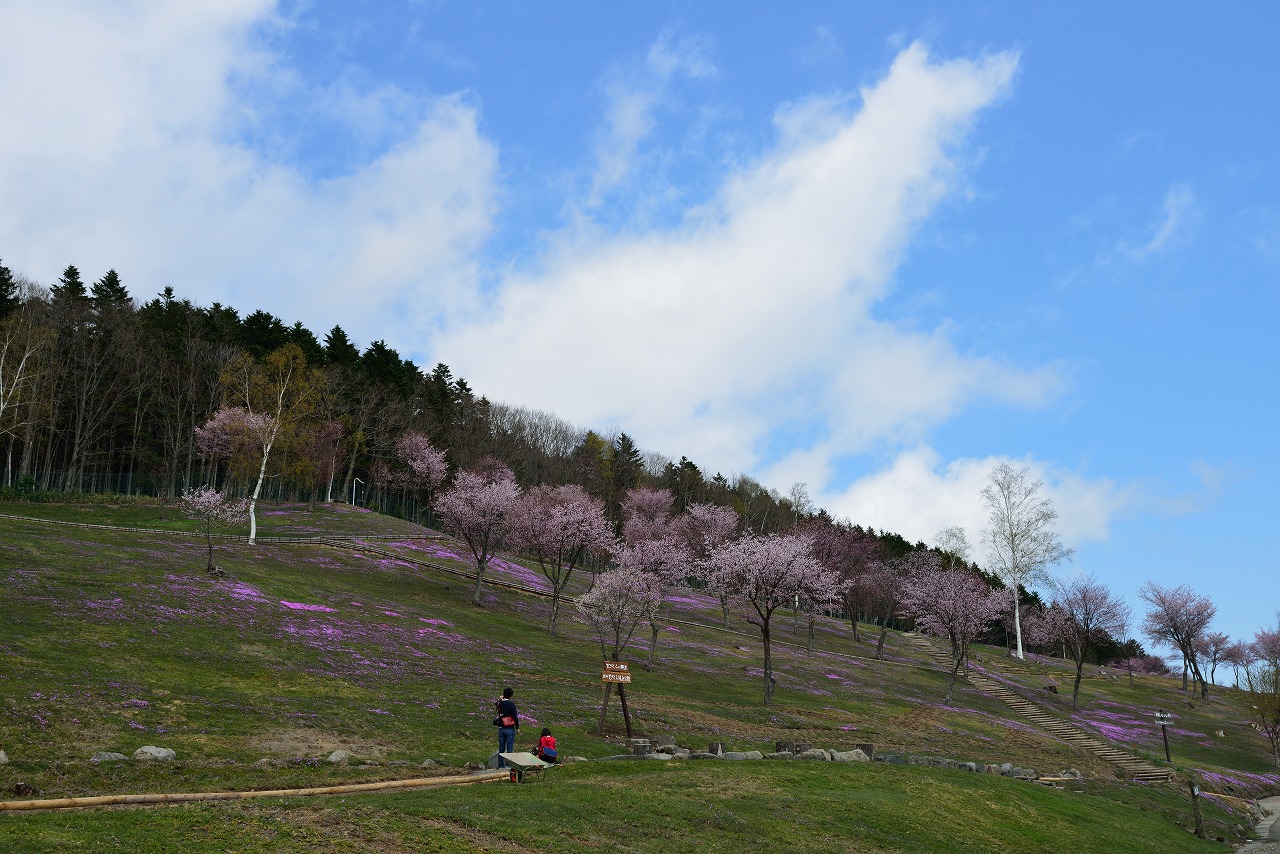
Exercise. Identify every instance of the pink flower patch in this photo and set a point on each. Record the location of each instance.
(435, 622)
(391, 613)
(300, 606)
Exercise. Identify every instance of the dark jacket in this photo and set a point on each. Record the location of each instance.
(508, 707)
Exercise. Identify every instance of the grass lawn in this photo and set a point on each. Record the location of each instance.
(111, 641)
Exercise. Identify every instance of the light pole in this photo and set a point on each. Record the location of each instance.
(354, 481)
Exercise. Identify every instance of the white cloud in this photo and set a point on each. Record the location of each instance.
(1177, 213)
(755, 316)
(633, 94)
(148, 144)
(919, 494)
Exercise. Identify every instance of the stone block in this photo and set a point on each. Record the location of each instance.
(784, 747)
(867, 748)
(665, 741)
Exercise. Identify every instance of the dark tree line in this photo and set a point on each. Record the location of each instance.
(113, 390)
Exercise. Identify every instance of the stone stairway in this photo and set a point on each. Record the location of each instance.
(1130, 765)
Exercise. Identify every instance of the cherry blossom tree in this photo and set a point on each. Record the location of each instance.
(1238, 655)
(1020, 540)
(669, 562)
(211, 509)
(854, 557)
(425, 467)
(1266, 644)
(705, 527)
(821, 590)
(1179, 617)
(646, 514)
(763, 573)
(951, 603)
(559, 526)
(1211, 651)
(245, 439)
(476, 508)
(619, 601)
(1089, 613)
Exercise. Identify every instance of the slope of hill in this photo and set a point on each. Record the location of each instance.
(113, 640)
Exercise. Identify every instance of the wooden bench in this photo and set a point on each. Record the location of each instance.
(525, 762)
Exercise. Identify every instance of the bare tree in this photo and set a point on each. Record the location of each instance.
(1020, 540)
(1179, 617)
(1088, 613)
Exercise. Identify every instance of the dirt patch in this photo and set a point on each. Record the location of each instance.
(483, 841)
(311, 742)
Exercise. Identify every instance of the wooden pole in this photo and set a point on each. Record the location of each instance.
(1195, 807)
(604, 707)
(185, 797)
(626, 716)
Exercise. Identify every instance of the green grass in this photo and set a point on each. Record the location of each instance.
(658, 807)
(111, 641)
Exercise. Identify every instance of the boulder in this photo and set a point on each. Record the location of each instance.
(734, 755)
(566, 759)
(968, 766)
(784, 747)
(716, 747)
(428, 763)
(666, 756)
(106, 756)
(339, 757)
(1070, 773)
(867, 748)
(781, 754)
(754, 754)
(703, 755)
(854, 755)
(817, 754)
(154, 754)
(4, 758)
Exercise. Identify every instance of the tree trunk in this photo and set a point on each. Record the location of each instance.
(1017, 622)
(1075, 690)
(480, 568)
(768, 664)
(555, 609)
(955, 670)
(653, 644)
(884, 630)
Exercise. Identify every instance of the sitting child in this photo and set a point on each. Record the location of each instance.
(546, 749)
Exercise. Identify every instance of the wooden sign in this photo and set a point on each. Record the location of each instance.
(615, 676)
(619, 666)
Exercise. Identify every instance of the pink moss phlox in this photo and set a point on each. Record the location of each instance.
(301, 606)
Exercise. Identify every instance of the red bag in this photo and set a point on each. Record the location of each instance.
(508, 721)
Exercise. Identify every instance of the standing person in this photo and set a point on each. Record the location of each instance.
(508, 721)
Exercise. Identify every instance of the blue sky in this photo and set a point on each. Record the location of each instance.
(873, 248)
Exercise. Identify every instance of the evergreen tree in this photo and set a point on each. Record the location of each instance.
(339, 350)
(221, 324)
(69, 287)
(109, 291)
(263, 333)
(8, 292)
(307, 343)
(383, 365)
(627, 465)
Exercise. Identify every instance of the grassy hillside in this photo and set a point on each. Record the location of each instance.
(110, 641)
